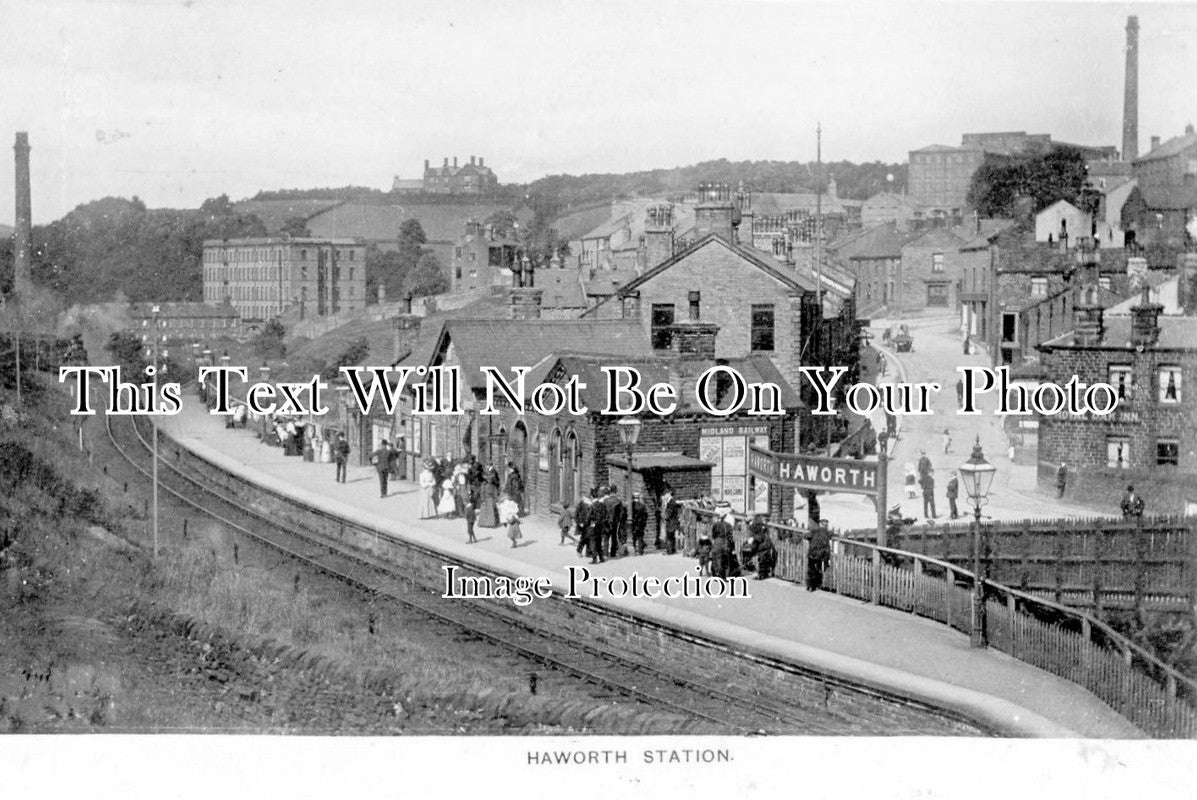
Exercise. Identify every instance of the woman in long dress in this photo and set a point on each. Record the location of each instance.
(448, 505)
(427, 481)
(488, 515)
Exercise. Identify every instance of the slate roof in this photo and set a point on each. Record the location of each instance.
(505, 342)
(1176, 333)
(652, 369)
(1172, 147)
(879, 241)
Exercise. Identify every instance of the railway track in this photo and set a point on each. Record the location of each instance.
(606, 670)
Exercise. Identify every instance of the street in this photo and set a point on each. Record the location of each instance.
(936, 354)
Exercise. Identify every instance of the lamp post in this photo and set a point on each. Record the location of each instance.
(629, 433)
(977, 476)
(154, 417)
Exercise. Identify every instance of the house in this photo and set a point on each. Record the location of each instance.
(184, 324)
(1060, 222)
(1150, 439)
(900, 209)
(1167, 186)
(929, 273)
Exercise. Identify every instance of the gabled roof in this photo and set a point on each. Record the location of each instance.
(931, 237)
(1056, 205)
(763, 262)
(524, 343)
(1172, 147)
(656, 368)
(941, 148)
(879, 241)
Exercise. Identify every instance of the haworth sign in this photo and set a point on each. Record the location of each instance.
(814, 472)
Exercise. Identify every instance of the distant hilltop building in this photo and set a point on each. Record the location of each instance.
(474, 178)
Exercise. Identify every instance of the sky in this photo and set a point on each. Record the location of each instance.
(176, 102)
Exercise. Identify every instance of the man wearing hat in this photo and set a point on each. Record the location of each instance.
(639, 522)
(381, 459)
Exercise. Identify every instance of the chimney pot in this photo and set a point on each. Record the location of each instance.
(446, 162)
(454, 162)
(481, 161)
(1189, 129)
(1155, 142)
(426, 164)
(471, 161)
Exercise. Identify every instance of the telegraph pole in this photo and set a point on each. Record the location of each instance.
(154, 417)
(819, 211)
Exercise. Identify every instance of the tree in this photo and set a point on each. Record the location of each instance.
(411, 232)
(1044, 178)
(295, 226)
(384, 268)
(128, 353)
(352, 356)
(427, 278)
(269, 342)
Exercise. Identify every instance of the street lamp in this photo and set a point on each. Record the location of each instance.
(629, 434)
(154, 417)
(977, 476)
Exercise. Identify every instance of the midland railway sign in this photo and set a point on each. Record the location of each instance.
(814, 472)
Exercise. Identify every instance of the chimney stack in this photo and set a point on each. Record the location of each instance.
(446, 163)
(1155, 142)
(471, 161)
(481, 161)
(525, 303)
(426, 165)
(1145, 321)
(631, 305)
(714, 211)
(24, 232)
(1130, 99)
(658, 235)
(454, 162)
(1189, 129)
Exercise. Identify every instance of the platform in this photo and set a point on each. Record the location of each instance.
(907, 655)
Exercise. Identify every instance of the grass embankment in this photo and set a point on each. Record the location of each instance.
(74, 656)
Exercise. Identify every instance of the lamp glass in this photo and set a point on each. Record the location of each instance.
(629, 430)
(977, 474)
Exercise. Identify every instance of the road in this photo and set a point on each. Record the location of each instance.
(936, 355)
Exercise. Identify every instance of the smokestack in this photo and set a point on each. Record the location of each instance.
(1130, 100)
(24, 232)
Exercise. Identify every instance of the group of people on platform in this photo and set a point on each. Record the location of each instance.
(602, 526)
(463, 488)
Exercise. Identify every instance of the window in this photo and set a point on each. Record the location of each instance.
(1117, 452)
(1121, 379)
(303, 255)
(937, 294)
(1167, 452)
(1038, 287)
(662, 318)
(1104, 282)
(1169, 384)
(1010, 327)
(762, 329)
(937, 262)
(352, 253)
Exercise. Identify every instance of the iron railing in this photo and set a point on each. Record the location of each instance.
(1058, 639)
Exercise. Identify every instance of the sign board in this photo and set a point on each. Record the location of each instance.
(814, 472)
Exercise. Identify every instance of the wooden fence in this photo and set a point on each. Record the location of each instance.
(1064, 641)
(1099, 564)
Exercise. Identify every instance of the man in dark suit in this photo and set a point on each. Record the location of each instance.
(474, 477)
(639, 523)
(340, 455)
(818, 555)
(600, 515)
(672, 511)
(616, 522)
(582, 521)
(1132, 504)
(381, 459)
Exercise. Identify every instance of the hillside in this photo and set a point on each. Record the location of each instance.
(854, 181)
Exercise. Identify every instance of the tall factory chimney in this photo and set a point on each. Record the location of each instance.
(24, 233)
(1130, 100)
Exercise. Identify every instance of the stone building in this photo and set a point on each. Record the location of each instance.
(483, 257)
(264, 278)
(1150, 440)
(1167, 189)
(939, 177)
(929, 273)
(183, 324)
(472, 178)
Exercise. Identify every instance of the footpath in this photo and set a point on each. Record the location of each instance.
(905, 654)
